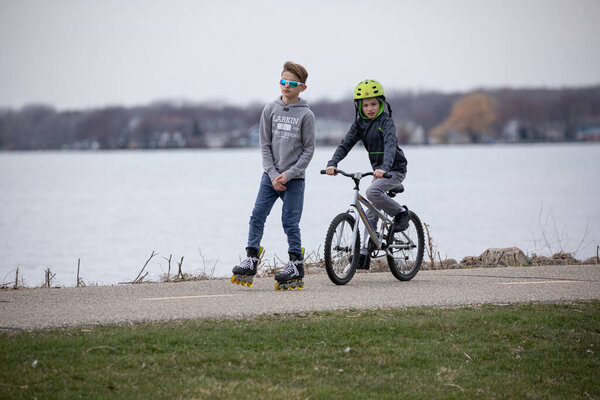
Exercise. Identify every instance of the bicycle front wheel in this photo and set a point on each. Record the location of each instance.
(339, 249)
(405, 250)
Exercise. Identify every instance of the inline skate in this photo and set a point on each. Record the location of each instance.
(244, 273)
(291, 277)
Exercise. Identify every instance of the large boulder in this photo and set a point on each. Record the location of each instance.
(505, 257)
(497, 257)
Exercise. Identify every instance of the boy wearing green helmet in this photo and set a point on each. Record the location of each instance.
(376, 129)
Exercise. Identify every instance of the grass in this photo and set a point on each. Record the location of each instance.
(526, 351)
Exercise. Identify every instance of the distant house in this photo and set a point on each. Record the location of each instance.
(167, 140)
(588, 133)
(510, 131)
(553, 131)
(515, 130)
(410, 132)
(215, 139)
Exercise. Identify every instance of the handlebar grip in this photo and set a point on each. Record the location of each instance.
(323, 172)
(386, 175)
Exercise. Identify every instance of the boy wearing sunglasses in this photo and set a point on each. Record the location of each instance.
(287, 142)
(375, 128)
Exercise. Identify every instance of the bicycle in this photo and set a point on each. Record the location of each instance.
(403, 250)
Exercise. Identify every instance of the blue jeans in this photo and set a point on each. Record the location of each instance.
(293, 201)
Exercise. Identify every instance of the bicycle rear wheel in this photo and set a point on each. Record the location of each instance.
(339, 261)
(405, 250)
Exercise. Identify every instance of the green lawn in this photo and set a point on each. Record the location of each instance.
(537, 351)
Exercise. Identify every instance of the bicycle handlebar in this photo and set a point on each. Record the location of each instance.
(358, 175)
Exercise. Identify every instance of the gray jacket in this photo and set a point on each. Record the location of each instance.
(287, 138)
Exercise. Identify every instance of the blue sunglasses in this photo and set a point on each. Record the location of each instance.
(291, 83)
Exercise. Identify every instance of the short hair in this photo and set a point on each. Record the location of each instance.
(296, 69)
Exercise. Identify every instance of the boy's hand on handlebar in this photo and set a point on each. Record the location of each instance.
(378, 173)
(330, 171)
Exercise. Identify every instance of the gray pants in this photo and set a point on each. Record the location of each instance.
(377, 194)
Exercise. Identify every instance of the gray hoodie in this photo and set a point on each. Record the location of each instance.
(287, 138)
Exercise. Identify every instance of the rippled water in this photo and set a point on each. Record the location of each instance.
(112, 209)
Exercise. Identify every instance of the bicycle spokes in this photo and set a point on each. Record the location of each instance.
(340, 246)
(405, 250)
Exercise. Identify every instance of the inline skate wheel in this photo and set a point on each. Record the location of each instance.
(233, 279)
(277, 286)
(249, 284)
(301, 286)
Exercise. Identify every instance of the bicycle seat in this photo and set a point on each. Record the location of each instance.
(395, 190)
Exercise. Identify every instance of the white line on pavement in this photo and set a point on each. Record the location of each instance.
(534, 282)
(187, 297)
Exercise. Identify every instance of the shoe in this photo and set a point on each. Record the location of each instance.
(364, 262)
(401, 220)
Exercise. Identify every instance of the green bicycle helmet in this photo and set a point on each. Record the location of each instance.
(368, 88)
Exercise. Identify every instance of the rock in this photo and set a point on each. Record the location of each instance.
(507, 256)
(449, 263)
(541, 260)
(379, 265)
(556, 259)
(425, 265)
(591, 260)
(470, 261)
(495, 257)
(566, 257)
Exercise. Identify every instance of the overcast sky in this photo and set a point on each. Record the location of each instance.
(93, 53)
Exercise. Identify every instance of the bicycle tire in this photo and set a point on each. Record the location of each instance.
(412, 258)
(340, 263)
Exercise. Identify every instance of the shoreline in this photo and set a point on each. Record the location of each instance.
(491, 258)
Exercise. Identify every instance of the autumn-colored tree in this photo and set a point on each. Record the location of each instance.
(472, 117)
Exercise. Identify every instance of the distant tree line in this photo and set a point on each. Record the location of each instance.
(480, 116)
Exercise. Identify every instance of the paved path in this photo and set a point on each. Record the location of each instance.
(52, 308)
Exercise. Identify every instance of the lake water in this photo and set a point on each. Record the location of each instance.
(112, 209)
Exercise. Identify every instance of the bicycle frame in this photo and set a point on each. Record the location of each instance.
(360, 212)
(374, 236)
